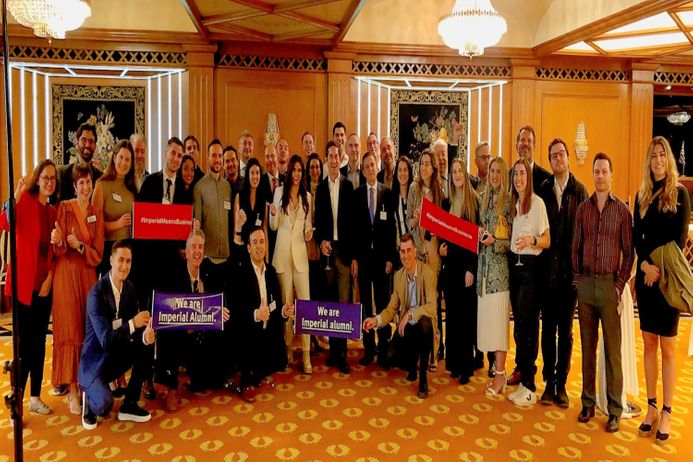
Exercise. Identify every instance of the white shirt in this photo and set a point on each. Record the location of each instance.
(165, 186)
(116, 295)
(559, 188)
(260, 275)
(534, 223)
(200, 286)
(334, 198)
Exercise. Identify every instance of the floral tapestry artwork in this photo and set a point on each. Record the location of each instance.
(116, 112)
(419, 118)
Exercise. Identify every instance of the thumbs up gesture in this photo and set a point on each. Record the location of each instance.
(149, 333)
(72, 240)
(57, 235)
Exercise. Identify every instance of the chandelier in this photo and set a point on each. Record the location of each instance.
(472, 26)
(679, 118)
(50, 18)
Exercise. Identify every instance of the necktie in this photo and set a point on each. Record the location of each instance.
(274, 183)
(371, 205)
(168, 190)
(196, 287)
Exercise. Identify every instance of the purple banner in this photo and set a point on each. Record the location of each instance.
(173, 311)
(342, 320)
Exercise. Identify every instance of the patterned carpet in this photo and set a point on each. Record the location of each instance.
(371, 415)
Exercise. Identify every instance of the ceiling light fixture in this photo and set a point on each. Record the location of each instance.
(472, 26)
(50, 18)
(679, 118)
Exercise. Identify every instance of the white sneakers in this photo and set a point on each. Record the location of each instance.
(523, 396)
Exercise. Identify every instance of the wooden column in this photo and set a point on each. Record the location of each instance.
(523, 98)
(200, 66)
(341, 100)
(641, 114)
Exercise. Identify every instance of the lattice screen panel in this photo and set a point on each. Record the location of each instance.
(439, 70)
(98, 56)
(550, 73)
(268, 62)
(673, 78)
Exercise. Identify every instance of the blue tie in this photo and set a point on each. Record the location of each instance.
(371, 205)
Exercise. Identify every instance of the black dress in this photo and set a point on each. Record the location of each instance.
(654, 230)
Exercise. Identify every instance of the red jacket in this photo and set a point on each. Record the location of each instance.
(28, 234)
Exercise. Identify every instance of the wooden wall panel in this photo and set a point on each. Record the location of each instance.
(604, 107)
(245, 98)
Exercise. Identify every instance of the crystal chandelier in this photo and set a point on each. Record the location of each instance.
(679, 118)
(472, 26)
(50, 18)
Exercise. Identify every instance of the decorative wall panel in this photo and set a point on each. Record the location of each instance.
(269, 62)
(97, 56)
(423, 69)
(582, 74)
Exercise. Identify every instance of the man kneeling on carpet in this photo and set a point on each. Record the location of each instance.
(413, 301)
(118, 337)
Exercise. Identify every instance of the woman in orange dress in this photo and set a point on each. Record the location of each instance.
(78, 245)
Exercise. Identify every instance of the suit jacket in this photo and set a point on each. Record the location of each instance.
(152, 189)
(324, 227)
(67, 188)
(266, 187)
(210, 275)
(381, 177)
(345, 171)
(539, 175)
(101, 341)
(290, 242)
(427, 296)
(377, 240)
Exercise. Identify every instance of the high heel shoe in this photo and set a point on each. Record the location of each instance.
(661, 438)
(490, 391)
(646, 429)
(307, 366)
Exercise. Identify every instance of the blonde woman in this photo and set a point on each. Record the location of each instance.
(493, 275)
(662, 214)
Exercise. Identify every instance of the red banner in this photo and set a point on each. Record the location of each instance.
(161, 221)
(449, 227)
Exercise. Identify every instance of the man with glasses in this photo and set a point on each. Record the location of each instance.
(86, 146)
(482, 159)
(562, 193)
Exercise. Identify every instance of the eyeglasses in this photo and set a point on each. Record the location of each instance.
(557, 154)
(85, 140)
(48, 179)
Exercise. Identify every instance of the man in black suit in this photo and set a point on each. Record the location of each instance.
(333, 233)
(352, 170)
(375, 251)
(562, 193)
(525, 144)
(388, 158)
(258, 324)
(117, 337)
(139, 146)
(160, 186)
(196, 275)
(269, 183)
(86, 146)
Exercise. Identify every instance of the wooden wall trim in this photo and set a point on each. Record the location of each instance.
(97, 56)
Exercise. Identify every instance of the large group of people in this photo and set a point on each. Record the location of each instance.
(343, 227)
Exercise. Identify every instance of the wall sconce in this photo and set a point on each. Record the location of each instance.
(581, 146)
(272, 130)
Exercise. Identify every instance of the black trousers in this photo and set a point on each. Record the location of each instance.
(525, 306)
(460, 312)
(338, 288)
(33, 326)
(557, 312)
(374, 284)
(415, 347)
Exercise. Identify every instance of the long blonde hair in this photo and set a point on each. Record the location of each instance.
(669, 194)
(469, 196)
(503, 190)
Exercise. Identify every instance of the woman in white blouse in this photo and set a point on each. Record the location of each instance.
(290, 216)
(530, 235)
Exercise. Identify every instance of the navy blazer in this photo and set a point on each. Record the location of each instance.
(378, 239)
(323, 223)
(101, 341)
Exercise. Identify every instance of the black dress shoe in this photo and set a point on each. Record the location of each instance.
(479, 362)
(366, 360)
(423, 393)
(549, 394)
(411, 376)
(344, 367)
(330, 361)
(383, 363)
(612, 424)
(561, 398)
(586, 414)
(464, 379)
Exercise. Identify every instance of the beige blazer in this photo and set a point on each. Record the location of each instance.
(291, 243)
(399, 301)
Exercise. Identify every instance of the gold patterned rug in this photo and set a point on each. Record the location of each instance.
(371, 415)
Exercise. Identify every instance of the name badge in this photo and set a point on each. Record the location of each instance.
(273, 305)
(117, 323)
(383, 215)
(117, 198)
(227, 205)
(91, 218)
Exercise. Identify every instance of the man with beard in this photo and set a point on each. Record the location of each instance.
(231, 171)
(482, 158)
(388, 159)
(211, 205)
(86, 146)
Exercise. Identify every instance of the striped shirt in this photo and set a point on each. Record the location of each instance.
(603, 242)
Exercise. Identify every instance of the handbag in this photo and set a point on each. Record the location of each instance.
(502, 230)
